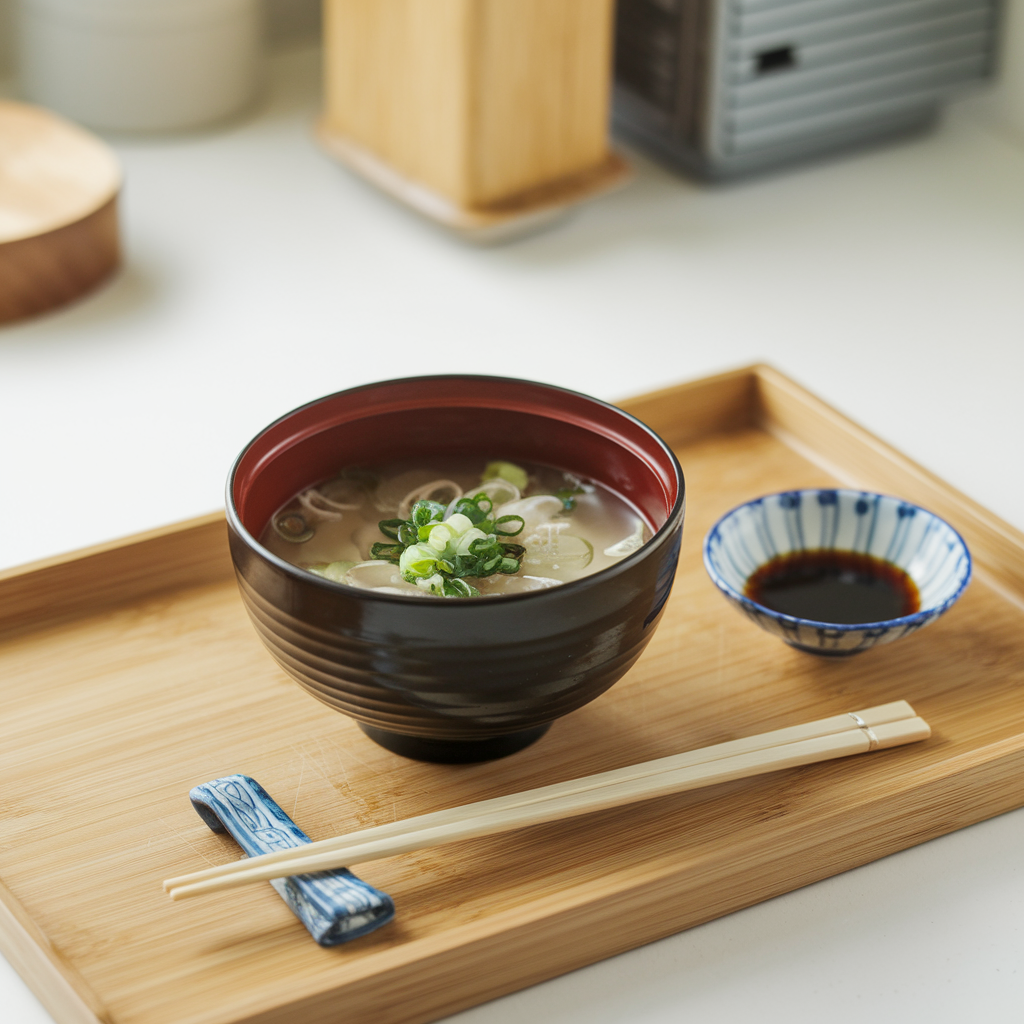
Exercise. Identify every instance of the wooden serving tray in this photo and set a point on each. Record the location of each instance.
(130, 674)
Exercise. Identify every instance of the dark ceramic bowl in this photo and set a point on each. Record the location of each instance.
(459, 679)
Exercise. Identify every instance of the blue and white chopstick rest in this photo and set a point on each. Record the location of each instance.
(335, 906)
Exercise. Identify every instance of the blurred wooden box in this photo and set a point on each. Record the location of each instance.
(482, 114)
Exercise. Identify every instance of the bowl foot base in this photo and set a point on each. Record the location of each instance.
(455, 751)
(824, 652)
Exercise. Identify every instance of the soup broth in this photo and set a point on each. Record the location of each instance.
(536, 527)
(846, 587)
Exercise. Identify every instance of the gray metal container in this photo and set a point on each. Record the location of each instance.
(721, 88)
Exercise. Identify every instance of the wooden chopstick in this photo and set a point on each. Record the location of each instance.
(417, 835)
(707, 773)
(878, 715)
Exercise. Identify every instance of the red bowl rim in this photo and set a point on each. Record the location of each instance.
(675, 513)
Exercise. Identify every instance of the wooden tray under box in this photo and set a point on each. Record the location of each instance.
(130, 674)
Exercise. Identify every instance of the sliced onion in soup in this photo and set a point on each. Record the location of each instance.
(552, 549)
(535, 510)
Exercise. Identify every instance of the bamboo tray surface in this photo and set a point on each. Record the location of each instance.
(131, 674)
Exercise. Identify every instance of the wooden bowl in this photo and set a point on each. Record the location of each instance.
(58, 211)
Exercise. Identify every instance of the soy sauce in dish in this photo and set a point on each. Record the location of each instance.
(844, 587)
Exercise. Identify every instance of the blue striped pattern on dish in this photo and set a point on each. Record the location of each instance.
(926, 547)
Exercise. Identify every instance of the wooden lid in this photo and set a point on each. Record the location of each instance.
(52, 173)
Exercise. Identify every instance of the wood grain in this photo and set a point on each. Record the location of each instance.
(489, 107)
(58, 211)
(58, 986)
(47, 592)
(541, 81)
(114, 712)
(684, 413)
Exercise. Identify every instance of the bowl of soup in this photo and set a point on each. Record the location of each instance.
(835, 571)
(455, 561)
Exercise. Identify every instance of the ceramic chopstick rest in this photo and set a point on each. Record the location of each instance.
(335, 906)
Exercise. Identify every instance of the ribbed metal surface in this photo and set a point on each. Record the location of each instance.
(723, 86)
(793, 70)
(648, 49)
(844, 56)
(835, 17)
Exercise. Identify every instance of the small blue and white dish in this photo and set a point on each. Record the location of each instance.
(820, 522)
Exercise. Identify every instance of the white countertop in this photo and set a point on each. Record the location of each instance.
(260, 275)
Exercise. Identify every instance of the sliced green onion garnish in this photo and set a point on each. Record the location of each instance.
(440, 553)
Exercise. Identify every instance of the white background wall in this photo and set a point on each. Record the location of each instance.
(288, 21)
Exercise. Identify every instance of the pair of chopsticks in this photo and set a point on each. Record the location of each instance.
(887, 725)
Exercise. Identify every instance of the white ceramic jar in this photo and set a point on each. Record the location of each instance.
(141, 65)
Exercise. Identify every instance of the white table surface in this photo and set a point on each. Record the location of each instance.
(260, 275)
